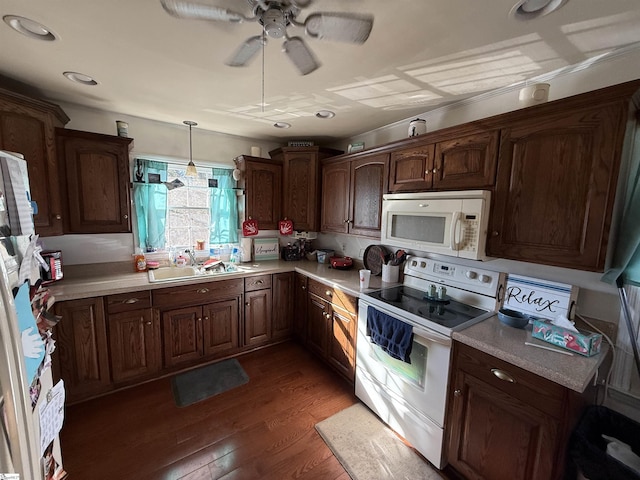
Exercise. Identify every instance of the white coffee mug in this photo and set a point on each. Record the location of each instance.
(365, 277)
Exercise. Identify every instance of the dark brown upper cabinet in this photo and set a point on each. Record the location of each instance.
(96, 170)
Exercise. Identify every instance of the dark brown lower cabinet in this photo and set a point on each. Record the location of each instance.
(191, 333)
(81, 357)
(300, 307)
(257, 317)
(282, 289)
(134, 342)
(331, 328)
(505, 422)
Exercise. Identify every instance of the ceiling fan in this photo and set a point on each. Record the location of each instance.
(275, 16)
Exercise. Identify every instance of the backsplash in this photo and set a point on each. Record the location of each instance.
(596, 299)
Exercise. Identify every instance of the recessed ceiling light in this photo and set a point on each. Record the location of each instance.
(530, 9)
(282, 125)
(80, 78)
(325, 114)
(29, 28)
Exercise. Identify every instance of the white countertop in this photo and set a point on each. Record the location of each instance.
(489, 336)
(507, 343)
(84, 281)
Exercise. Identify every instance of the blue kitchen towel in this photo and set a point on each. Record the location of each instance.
(392, 335)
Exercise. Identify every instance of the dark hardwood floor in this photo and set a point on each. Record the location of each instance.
(261, 430)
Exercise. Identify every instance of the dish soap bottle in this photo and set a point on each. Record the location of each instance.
(139, 261)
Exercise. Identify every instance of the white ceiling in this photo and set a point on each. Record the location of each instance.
(420, 55)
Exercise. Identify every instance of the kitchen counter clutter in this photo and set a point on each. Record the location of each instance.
(507, 343)
(85, 281)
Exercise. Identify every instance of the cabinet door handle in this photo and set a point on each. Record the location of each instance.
(304, 287)
(495, 233)
(131, 300)
(502, 375)
(58, 217)
(328, 293)
(247, 304)
(126, 216)
(345, 221)
(435, 169)
(202, 290)
(457, 393)
(206, 319)
(427, 172)
(149, 323)
(199, 319)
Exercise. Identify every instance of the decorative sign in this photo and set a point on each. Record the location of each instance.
(539, 298)
(249, 227)
(266, 249)
(285, 226)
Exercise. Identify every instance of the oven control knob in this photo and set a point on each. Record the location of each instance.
(485, 278)
(471, 274)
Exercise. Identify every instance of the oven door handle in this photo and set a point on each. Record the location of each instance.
(455, 222)
(432, 336)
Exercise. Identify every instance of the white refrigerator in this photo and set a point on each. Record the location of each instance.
(31, 406)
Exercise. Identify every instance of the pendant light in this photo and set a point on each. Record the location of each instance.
(191, 167)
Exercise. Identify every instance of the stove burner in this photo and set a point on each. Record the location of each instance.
(449, 314)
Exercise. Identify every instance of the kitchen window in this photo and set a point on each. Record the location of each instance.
(176, 210)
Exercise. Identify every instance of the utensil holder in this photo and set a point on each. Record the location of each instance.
(390, 273)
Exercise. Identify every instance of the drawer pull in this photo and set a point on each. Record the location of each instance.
(203, 290)
(304, 287)
(130, 301)
(457, 393)
(149, 323)
(259, 282)
(328, 293)
(502, 375)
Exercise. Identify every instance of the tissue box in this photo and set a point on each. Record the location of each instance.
(584, 342)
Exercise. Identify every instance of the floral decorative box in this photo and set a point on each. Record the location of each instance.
(583, 342)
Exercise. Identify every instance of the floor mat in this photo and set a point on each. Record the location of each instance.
(369, 450)
(204, 382)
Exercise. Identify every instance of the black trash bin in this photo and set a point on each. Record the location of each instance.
(588, 450)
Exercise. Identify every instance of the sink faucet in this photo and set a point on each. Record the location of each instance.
(192, 257)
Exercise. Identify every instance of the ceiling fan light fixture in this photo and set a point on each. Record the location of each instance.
(532, 9)
(191, 167)
(282, 125)
(325, 114)
(29, 28)
(80, 78)
(274, 22)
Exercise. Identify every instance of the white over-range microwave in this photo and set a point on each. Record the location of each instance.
(447, 223)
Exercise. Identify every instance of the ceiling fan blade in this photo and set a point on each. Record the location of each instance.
(300, 55)
(246, 52)
(199, 11)
(342, 27)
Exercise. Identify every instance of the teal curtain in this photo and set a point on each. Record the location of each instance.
(626, 260)
(224, 208)
(150, 201)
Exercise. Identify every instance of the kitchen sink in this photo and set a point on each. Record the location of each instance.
(167, 274)
(164, 274)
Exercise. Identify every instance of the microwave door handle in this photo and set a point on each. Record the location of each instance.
(455, 221)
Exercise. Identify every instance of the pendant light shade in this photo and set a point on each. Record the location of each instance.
(191, 167)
